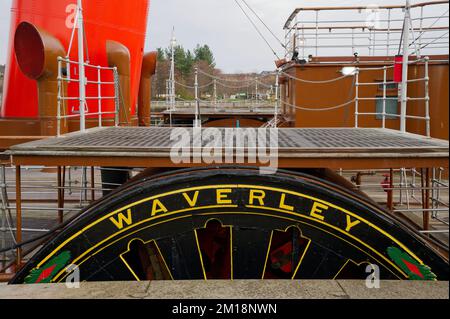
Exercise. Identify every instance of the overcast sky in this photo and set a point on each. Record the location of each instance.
(218, 23)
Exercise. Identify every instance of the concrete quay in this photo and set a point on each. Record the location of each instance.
(237, 289)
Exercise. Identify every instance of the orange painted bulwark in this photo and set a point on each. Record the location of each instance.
(117, 20)
(320, 96)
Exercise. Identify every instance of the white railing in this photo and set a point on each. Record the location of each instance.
(63, 81)
(402, 117)
(357, 99)
(216, 104)
(256, 103)
(367, 31)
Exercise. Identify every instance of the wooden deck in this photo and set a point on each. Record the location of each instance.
(297, 148)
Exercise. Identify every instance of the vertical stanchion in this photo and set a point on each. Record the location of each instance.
(388, 46)
(168, 101)
(434, 203)
(86, 183)
(58, 111)
(19, 214)
(215, 94)
(420, 32)
(64, 184)
(401, 187)
(384, 95)
(374, 43)
(304, 43)
(3, 211)
(296, 37)
(277, 99)
(423, 193)
(69, 173)
(83, 188)
(117, 97)
(427, 98)
(197, 122)
(99, 90)
(353, 41)
(317, 33)
(172, 71)
(413, 182)
(404, 99)
(356, 98)
(167, 95)
(426, 213)
(439, 185)
(390, 198)
(256, 92)
(82, 75)
(60, 196)
(93, 183)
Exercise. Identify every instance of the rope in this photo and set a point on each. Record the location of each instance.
(257, 30)
(206, 85)
(234, 87)
(423, 32)
(193, 87)
(424, 46)
(222, 79)
(252, 80)
(184, 100)
(265, 25)
(321, 109)
(263, 84)
(184, 85)
(317, 82)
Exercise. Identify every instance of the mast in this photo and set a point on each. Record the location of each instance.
(173, 43)
(197, 121)
(82, 74)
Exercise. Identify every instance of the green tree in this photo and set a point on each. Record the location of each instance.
(184, 60)
(188, 63)
(161, 56)
(204, 53)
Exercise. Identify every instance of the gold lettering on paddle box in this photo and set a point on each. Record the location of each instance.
(283, 204)
(121, 219)
(158, 207)
(351, 224)
(191, 201)
(222, 196)
(258, 195)
(317, 210)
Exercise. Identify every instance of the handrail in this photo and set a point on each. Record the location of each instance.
(98, 81)
(358, 98)
(312, 34)
(337, 8)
